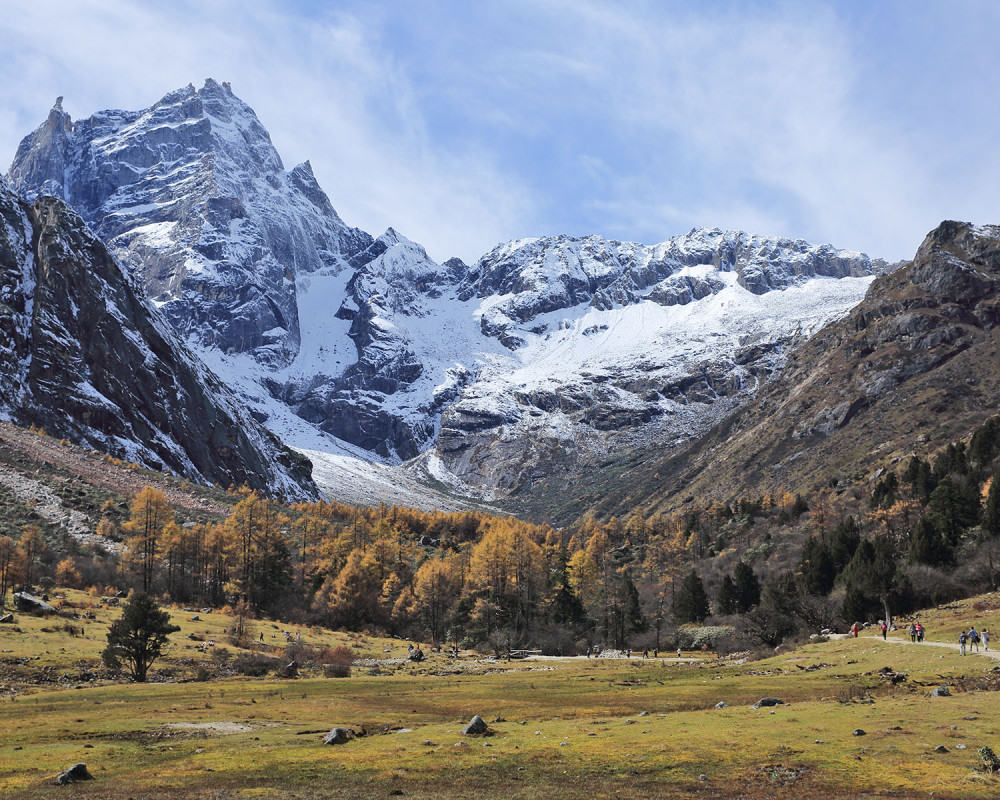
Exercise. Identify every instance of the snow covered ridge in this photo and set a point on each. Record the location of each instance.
(191, 195)
(545, 350)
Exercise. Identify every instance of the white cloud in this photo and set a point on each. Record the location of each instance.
(466, 124)
(323, 88)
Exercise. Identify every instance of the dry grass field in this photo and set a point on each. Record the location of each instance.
(559, 728)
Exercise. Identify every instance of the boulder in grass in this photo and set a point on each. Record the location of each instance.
(477, 727)
(29, 604)
(764, 702)
(7, 619)
(339, 736)
(78, 772)
(291, 670)
(941, 691)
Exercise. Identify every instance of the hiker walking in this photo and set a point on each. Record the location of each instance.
(920, 632)
(961, 641)
(973, 638)
(985, 635)
(854, 630)
(913, 633)
(884, 628)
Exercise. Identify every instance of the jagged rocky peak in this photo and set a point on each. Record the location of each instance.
(191, 195)
(87, 358)
(553, 273)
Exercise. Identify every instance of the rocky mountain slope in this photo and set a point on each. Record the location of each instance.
(192, 197)
(86, 358)
(544, 357)
(910, 369)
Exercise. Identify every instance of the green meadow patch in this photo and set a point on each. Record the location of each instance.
(857, 718)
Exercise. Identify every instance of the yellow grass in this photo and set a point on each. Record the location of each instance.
(570, 728)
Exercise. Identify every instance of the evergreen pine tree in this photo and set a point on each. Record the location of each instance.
(817, 568)
(928, 545)
(747, 587)
(137, 637)
(726, 602)
(691, 601)
(843, 543)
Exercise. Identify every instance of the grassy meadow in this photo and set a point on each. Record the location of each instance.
(560, 728)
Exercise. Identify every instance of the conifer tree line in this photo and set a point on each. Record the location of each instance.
(920, 532)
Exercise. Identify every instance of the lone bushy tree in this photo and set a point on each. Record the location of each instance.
(136, 639)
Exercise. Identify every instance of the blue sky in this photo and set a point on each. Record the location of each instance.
(465, 124)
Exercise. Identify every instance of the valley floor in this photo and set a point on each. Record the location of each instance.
(857, 720)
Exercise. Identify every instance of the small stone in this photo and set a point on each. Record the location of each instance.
(941, 749)
(860, 732)
(959, 746)
(721, 704)
(703, 777)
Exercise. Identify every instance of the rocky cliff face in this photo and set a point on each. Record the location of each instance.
(86, 358)
(192, 197)
(911, 368)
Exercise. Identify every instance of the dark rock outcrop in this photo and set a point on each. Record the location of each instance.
(88, 359)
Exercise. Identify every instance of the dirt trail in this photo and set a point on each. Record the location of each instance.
(994, 654)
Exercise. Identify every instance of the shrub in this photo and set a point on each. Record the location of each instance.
(254, 665)
(337, 671)
(691, 637)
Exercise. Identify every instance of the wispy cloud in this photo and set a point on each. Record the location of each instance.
(466, 124)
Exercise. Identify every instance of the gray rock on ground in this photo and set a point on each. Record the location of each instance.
(941, 691)
(765, 702)
(339, 736)
(476, 727)
(78, 772)
(29, 604)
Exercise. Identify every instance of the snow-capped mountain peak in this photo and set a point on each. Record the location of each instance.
(546, 349)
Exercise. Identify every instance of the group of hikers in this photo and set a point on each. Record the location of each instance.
(973, 637)
(966, 639)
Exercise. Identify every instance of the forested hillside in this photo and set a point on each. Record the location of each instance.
(756, 571)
